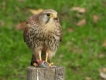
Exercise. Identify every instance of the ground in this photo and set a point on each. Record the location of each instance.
(83, 47)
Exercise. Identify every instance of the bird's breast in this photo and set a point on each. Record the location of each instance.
(44, 38)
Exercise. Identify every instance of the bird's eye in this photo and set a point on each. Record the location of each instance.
(48, 14)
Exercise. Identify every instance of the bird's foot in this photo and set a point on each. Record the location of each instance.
(35, 64)
(40, 63)
(51, 64)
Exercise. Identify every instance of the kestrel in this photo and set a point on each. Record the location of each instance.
(42, 34)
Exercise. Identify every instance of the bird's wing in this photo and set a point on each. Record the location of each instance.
(25, 33)
(60, 28)
(28, 25)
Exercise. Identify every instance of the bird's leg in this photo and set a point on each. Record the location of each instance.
(40, 58)
(46, 59)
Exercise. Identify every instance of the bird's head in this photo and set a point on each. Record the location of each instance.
(47, 16)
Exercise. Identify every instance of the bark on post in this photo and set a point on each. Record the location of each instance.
(54, 73)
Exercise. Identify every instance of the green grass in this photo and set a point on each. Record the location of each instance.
(80, 51)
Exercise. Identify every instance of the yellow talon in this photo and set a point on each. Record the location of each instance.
(35, 64)
(51, 64)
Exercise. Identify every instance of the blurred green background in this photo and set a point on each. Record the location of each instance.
(83, 48)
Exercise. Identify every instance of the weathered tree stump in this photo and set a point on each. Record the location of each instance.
(52, 73)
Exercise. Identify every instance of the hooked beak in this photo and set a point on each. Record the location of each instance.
(53, 15)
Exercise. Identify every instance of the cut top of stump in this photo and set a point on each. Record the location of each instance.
(50, 73)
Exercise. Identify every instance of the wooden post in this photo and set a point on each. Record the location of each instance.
(52, 73)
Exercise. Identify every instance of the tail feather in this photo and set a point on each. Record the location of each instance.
(33, 60)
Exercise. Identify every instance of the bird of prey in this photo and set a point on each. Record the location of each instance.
(42, 34)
